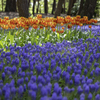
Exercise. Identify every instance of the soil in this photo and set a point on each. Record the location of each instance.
(15, 14)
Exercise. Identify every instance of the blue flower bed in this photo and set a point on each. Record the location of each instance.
(65, 71)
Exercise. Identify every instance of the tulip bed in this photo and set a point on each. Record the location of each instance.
(49, 64)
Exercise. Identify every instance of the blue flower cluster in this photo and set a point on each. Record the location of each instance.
(65, 71)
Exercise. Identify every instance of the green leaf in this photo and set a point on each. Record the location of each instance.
(58, 36)
(11, 39)
(1, 44)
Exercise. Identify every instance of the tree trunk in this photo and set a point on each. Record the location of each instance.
(59, 8)
(89, 8)
(38, 7)
(34, 2)
(23, 8)
(28, 3)
(46, 6)
(53, 6)
(70, 6)
(81, 6)
(10, 6)
(63, 8)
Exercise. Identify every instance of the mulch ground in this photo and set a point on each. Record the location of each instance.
(15, 14)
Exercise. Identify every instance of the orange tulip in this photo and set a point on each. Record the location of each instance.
(90, 26)
(63, 28)
(41, 27)
(95, 21)
(62, 24)
(78, 16)
(35, 26)
(53, 29)
(26, 27)
(80, 24)
(7, 18)
(69, 25)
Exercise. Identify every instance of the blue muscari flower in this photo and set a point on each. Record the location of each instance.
(88, 65)
(82, 96)
(82, 78)
(97, 97)
(90, 96)
(91, 73)
(57, 58)
(53, 64)
(23, 74)
(83, 63)
(47, 79)
(7, 94)
(19, 70)
(38, 68)
(45, 98)
(59, 97)
(32, 94)
(77, 79)
(31, 73)
(58, 69)
(3, 76)
(5, 69)
(24, 65)
(25, 87)
(44, 71)
(26, 79)
(13, 90)
(1, 85)
(69, 69)
(59, 63)
(90, 50)
(33, 78)
(89, 81)
(16, 61)
(79, 71)
(20, 81)
(12, 83)
(56, 86)
(54, 96)
(96, 87)
(83, 81)
(87, 89)
(72, 89)
(48, 89)
(27, 73)
(91, 59)
(96, 64)
(33, 87)
(71, 82)
(97, 71)
(47, 65)
(50, 75)
(13, 69)
(85, 71)
(44, 91)
(59, 91)
(1, 67)
(20, 90)
(73, 76)
(92, 87)
(66, 89)
(39, 79)
(67, 77)
(79, 90)
(40, 86)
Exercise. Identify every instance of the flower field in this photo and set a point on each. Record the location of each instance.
(49, 58)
